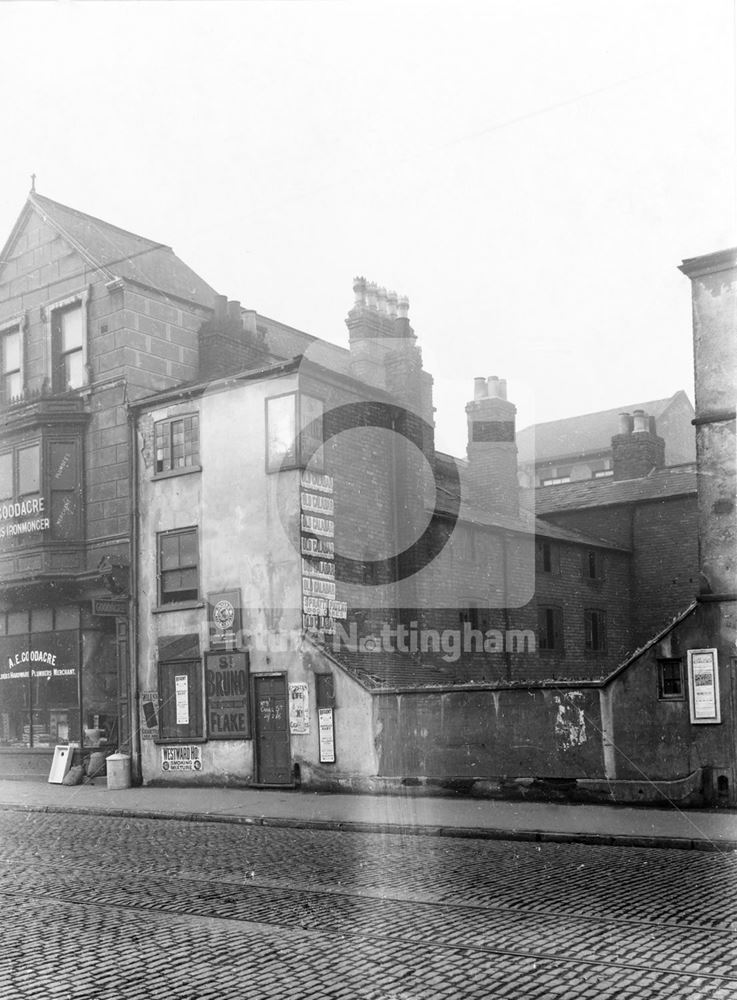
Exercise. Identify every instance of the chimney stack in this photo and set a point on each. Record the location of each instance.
(637, 449)
(230, 341)
(492, 448)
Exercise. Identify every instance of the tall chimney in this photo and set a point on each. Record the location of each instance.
(714, 297)
(637, 449)
(492, 448)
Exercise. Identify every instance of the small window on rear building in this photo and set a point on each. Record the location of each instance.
(177, 444)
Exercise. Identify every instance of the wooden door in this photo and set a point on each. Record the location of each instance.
(273, 758)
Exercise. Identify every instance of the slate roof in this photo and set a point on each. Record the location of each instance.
(119, 253)
(526, 522)
(661, 483)
(572, 437)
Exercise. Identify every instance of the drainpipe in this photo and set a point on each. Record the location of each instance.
(133, 640)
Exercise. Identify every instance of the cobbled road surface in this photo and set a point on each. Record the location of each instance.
(101, 908)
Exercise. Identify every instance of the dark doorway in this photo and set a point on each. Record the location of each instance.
(273, 759)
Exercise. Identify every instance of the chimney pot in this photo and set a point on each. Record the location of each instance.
(496, 387)
(403, 307)
(479, 388)
(391, 300)
(234, 311)
(359, 290)
(625, 423)
(641, 422)
(221, 307)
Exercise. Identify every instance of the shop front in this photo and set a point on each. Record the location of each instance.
(60, 684)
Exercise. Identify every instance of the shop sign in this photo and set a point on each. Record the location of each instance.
(327, 735)
(226, 685)
(703, 686)
(23, 517)
(183, 758)
(224, 618)
(35, 663)
(110, 607)
(299, 709)
(320, 607)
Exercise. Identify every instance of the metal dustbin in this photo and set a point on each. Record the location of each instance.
(118, 771)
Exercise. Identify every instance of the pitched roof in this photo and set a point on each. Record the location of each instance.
(661, 483)
(119, 253)
(575, 436)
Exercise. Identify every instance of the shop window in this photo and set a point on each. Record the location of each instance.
(594, 630)
(593, 564)
(11, 386)
(178, 566)
(285, 447)
(670, 680)
(547, 557)
(177, 443)
(46, 474)
(549, 629)
(180, 699)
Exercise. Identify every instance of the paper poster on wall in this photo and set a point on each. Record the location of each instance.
(703, 686)
(299, 715)
(181, 758)
(226, 684)
(181, 688)
(150, 723)
(327, 735)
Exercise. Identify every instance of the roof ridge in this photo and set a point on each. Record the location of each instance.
(596, 413)
(34, 197)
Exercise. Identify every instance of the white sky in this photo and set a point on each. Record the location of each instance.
(530, 174)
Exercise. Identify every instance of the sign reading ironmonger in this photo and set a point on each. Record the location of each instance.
(23, 517)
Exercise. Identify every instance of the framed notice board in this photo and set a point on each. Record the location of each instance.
(703, 686)
(226, 686)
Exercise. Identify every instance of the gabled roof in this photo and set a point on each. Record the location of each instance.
(116, 252)
(661, 483)
(582, 435)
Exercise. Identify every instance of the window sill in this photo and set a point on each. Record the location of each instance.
(179, 740)
(178, 606)
(170, 473)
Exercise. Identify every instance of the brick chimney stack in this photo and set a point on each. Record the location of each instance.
(637, 449)
(230, 341)
(492, 448)
(384, 348)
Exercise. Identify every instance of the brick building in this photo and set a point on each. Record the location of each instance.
(579, 448)
(232, 549)
(91, 316)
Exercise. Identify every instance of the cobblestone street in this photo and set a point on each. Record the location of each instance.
(99, 907)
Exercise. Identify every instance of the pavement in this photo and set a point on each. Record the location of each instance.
(410, 813)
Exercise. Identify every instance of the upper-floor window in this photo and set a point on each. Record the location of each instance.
(67, 332)
(10, 362)
(594, 622)
(177, 443)
(547, 557)
(593, 564)
(293, 432)
(556, 481)
(670, 680)
(178, 558)
(549, 629)
(48, 473)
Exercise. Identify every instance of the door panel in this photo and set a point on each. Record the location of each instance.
(273, 757)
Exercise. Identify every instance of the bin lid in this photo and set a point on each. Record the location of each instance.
(119, 756)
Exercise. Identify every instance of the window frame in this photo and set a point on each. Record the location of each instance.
(598, 561)
(187, 602)
(285, 464)
(669, 661)
(182, 470)
(10, 329)
(590, 616)
(53, 354)
(556, 621)
(551, 564)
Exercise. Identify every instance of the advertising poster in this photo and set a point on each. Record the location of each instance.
(299, 717)
(703, 686)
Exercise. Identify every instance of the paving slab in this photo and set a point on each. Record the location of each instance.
(407, 813)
